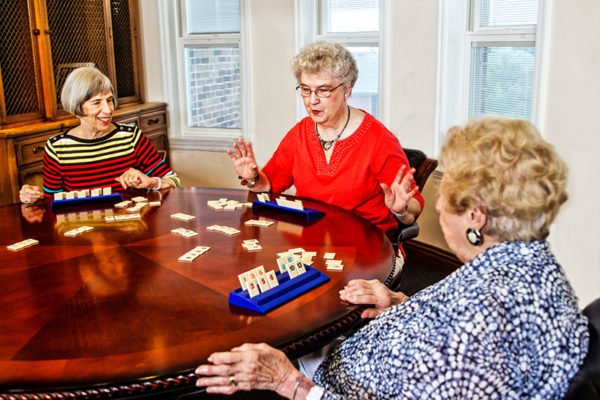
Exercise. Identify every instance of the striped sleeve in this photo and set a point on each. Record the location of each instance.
(149, 161)
(53, 179)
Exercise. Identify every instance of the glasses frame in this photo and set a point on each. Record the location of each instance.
(322, 89)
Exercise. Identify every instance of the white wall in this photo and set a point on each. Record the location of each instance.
(570, 111)
(570, 101)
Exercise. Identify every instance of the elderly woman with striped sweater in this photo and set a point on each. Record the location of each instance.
(98, 152)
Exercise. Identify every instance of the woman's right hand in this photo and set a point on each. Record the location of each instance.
(360, 291)
(243, 159)
(30, 194)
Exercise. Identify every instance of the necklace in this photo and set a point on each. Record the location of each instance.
(326, 144)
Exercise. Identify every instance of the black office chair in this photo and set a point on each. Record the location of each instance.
(586, 383)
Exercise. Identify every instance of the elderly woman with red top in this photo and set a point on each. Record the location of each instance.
(98, 152)
(339, 155)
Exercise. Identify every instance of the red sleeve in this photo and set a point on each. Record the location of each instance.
(148, 160)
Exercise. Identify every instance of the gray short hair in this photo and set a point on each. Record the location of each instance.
(329, 57)
(81, 85)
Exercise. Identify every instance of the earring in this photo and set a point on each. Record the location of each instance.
(474, 236)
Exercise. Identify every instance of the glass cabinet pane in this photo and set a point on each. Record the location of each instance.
(86, 25)
(125, 59)
(17, 63)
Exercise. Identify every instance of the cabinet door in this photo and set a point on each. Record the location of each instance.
(42, 41)
(107, 32)
(19, 68)
(78, 37)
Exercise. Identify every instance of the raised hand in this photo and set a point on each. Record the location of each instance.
(401, 191)
(243, 159)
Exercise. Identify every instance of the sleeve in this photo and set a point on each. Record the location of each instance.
(466, 358)
(53, 179)
(150, 162)
(279, 168)
(390, 158)
(456, 356)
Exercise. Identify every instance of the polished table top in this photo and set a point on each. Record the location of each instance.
(115, 307)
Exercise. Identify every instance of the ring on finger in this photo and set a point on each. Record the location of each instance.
(232, 381)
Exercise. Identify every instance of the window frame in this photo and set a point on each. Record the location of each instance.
(459, 30)
(175, 41)
(311, 24)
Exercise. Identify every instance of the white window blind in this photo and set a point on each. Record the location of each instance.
(502, 58)
(210, 16)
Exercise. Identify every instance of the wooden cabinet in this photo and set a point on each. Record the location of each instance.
(22, 148)
(43, 40)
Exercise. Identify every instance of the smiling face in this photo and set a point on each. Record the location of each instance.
(325, 111)
(97, 113)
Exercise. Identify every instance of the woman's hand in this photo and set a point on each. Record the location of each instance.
(398, 195)
(243, 160)
(359, 291)
(137, 179)
(247, 367)
(30, 194)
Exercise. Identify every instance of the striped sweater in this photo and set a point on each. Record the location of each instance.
(72, 163)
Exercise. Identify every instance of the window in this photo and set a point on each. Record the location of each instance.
(356, 25)
(489, 59)
(212, 63)
(207, 90)
(501, 40)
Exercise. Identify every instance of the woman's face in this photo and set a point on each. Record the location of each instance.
(97, 112)
(454, 226)
(324, 110)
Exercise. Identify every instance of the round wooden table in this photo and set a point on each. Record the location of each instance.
(113, 313)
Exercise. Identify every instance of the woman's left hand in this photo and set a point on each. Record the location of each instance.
(401, 191)
(136, 179)
(249, 366)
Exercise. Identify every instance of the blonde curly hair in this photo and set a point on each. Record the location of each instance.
(504, 167)
(329, 57)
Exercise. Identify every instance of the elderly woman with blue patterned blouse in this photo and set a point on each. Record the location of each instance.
(505, 325)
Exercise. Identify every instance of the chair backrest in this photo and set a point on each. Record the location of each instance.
(423, 165)
(586, 383)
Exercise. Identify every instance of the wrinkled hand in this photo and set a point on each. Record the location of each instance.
(252, 366)
(401, 190)
(360, 291)
(136, 179)
(243, 159)
(30, 194)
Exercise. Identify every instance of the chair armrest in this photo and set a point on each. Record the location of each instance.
(408, 232)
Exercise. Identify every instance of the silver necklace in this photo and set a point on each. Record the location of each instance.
(326, 144)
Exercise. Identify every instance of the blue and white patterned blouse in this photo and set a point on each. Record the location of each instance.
(504, 326)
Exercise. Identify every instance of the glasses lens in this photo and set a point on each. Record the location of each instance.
(322, 92)
(304, 91)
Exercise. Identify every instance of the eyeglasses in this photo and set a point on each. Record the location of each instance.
(321, 92)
